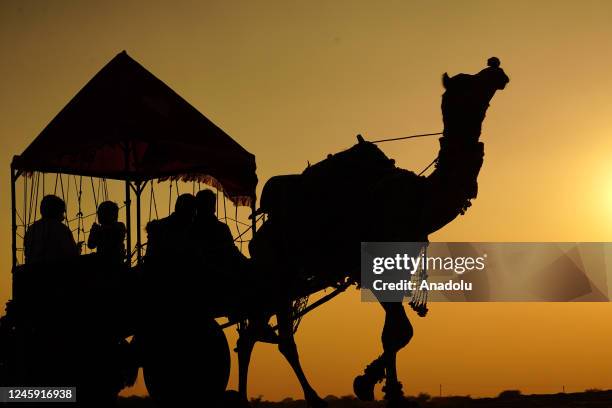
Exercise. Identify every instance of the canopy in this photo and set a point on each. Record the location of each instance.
(126, 124)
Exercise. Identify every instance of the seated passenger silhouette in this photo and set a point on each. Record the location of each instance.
(168, 238)
(49, 239)
(107, 237)
(213, 240)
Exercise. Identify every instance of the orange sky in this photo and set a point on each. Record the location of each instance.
(293, 82)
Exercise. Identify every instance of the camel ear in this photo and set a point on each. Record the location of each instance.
(445, 80)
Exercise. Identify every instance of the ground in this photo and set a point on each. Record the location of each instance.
(589, 399)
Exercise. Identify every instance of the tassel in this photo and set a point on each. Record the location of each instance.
(418, 301)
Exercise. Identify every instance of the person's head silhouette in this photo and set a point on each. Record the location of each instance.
(185, 207)
(108, 212)
(52, 208)
(206, 202)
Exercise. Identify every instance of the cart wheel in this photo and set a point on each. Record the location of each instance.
(187, 364)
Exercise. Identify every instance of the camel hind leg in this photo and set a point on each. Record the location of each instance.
(288, 348)
(244, 348)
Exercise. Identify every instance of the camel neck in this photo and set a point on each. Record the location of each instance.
(459, 159)
(453, 183)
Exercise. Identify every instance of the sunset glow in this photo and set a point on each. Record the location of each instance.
(293, 82)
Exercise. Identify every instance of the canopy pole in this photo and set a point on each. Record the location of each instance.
(14, 176)
(128, 206)
(128, 223)
(138, 190)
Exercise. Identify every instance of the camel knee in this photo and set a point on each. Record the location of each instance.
(397, 338)
(287, 347)
(406, 335)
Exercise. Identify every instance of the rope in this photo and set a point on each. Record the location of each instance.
(32, 189)
(238, 221)
(406, 137)
(61, 179)
(79, 193)
(83, 217)
(20, 218)
(224, 208)
(170, 200)
(37, 186)
(100, 191)
(412, 137)
(93, 191)
(249, 229)
(103, 181)
(152, 203)
(426, 168)
(238, 229)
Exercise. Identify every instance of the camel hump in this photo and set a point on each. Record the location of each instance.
(338, 178)
(362, 158)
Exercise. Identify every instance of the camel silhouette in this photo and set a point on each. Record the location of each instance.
(317, 219)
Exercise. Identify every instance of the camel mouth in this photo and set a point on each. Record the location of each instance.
(504, 81)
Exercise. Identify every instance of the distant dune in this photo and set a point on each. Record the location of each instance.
(507, 399)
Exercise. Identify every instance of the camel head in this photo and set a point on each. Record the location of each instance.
(466, 99)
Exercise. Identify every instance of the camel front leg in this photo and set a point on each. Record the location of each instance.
(288, 348)
(397, 333)
(250, 331)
